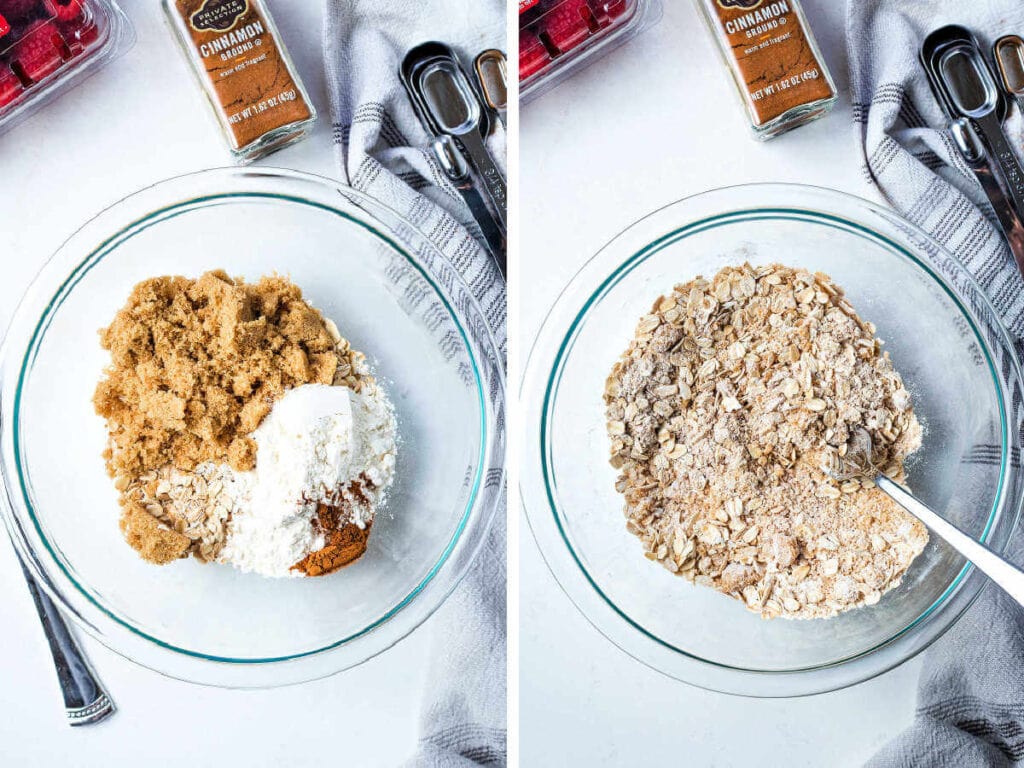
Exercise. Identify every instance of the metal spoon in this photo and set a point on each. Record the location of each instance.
(953, 84)
(857, 463)
(85, 701)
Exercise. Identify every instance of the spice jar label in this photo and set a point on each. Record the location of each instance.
(234, 46)
(218, 15)
(770, 47)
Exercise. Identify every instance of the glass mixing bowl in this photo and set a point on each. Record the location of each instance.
(425, 338)
(944, 338)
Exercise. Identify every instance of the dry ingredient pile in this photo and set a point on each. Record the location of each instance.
(721, 412)
(243, 429)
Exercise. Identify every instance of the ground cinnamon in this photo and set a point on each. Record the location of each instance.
(774, 60)
(245, 70)
(343, 545)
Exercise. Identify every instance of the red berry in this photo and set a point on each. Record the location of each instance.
(568, 25)
(15, 10)
(63, 10)
(607, 11)
(5, 26)
(79, 33)
(39, 53)
(10, 86)
(533, 56)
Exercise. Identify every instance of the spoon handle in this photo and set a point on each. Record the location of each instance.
(966, 138)
(456, 168)
(1004, 158)
(85, 701)
(490, 175)
(1002, 572)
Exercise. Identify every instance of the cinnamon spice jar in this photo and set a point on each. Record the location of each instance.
(237, 54)
(774, 60)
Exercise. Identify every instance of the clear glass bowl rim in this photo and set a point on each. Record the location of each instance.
(170, 198)
(544, 367)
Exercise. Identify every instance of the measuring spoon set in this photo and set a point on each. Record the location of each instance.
(460, 115)
(977, 99)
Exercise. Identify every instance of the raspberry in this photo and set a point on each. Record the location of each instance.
(533, 56)
(10, 86)
(40, 53)
(16, 10)
(615, 8)
(63, 10)
(567, 26)
(607, 11)
(79, 33)
(5, 26)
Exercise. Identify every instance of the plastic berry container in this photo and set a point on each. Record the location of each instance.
(560, 37)
(47, 46)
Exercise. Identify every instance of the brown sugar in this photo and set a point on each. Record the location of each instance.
(154, 541)
(197, 365)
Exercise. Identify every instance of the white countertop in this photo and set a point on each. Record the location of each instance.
(141, 120)
(654, 122)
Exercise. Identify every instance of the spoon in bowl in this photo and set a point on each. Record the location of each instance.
(857, 463)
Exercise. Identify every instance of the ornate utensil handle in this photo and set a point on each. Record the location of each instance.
(85, 701)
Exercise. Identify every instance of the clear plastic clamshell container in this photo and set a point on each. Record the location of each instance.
(559, 37)
(46, 46)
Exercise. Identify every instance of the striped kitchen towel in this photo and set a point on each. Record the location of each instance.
(384, 152)
(382, 148)
(971, 698)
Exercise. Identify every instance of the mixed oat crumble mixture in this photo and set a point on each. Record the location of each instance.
(721, 412)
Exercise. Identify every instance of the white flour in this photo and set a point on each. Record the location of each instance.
(315, 443)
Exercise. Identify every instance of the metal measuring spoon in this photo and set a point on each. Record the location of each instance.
(975, 95)
(492, 74)
(455, 110)
(857, 463)
(455, 167)
(967, 137)
(973, 151)
(1009, 55)
(448, 106)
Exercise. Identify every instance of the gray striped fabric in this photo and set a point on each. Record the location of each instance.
(971, 698)
(383, 151)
